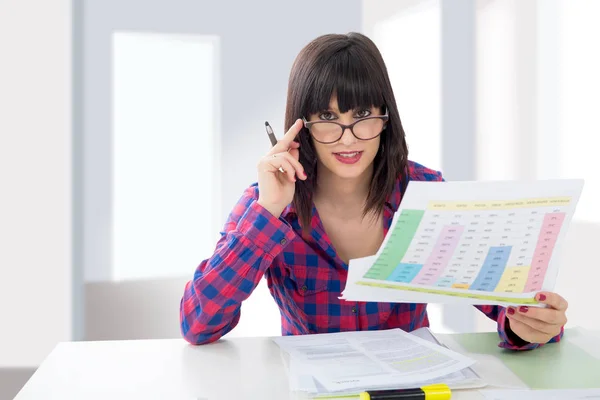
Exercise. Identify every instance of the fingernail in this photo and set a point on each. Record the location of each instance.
(510, 310)
(542, 297)
(523, 309)
(304, 173)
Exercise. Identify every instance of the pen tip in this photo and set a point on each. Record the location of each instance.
(266, 123)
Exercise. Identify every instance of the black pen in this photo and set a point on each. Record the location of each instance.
(272, 137)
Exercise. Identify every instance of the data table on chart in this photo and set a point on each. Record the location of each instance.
(490, 241)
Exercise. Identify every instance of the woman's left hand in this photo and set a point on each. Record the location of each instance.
(539, 325)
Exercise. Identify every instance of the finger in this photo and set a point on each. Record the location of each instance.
(282, 162)
(548, 315)
(535, 324)
(546, 331)
(274, 162)
(286, 142)
(527, 333)
(293, 145)
(553, 300)
(291, 134)
(292, 158)
(295, 153)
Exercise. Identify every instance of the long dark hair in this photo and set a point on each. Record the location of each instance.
(351, 67)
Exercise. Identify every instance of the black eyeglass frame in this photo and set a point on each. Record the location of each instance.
(309, 124)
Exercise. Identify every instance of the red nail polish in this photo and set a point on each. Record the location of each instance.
(304, 173)
(523, 309)
(542, 297)
(511, 311)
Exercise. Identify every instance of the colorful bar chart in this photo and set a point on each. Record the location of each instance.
(405, 272)
(483, 246)
(399, 242)
(492, 269)
(440, 256)
(481, 243)
(543, 251)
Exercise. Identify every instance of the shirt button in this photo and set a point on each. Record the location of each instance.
(354, 309)
(283, 241)
(304, 288)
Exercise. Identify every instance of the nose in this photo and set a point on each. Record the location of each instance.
(347, 138)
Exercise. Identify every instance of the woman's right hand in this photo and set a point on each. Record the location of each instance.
(276, 188)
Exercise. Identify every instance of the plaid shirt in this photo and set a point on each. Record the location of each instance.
(304, 275)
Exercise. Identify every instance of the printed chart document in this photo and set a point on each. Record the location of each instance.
(351, 361)
(469, 242)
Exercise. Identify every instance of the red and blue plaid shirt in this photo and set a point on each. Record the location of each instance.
(304, 274)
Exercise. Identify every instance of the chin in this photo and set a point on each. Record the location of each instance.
(349, 173)
(352, 171)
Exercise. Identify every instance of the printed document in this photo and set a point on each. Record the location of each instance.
(469, 242)
(367, 359)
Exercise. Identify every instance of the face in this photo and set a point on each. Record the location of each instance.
(348, 157)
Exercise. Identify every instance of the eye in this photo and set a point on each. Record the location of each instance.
(363, 113)
(327, 116)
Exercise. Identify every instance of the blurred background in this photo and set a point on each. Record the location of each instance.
(129, 129)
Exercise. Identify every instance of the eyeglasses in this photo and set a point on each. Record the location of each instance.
(328, 132)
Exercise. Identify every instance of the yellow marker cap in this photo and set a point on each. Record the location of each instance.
(437, 392)
(430, 392)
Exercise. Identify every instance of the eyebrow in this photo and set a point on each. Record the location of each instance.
(336, 111)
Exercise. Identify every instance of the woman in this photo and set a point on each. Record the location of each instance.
(327, 193)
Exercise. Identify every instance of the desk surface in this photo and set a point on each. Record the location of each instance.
(239, 368)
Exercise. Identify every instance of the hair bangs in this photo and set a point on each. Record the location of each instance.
(349, 67)
(350, 77)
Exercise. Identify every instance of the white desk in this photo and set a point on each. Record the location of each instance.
(240, 368)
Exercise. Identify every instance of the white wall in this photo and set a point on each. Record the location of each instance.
(537, 88)
(258, 43)
(35, 179)
(507, 69)
(530, 100)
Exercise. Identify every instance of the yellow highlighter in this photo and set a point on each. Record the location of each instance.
(430, 392)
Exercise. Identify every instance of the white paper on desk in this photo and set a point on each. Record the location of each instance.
(470, 243)
(367, 359)
(303, 380)
(570, 394)
(301, 377)
(463, 379)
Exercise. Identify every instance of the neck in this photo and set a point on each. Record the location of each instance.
(348, 194)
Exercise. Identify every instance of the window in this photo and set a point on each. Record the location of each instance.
(579, 100)
(165, 153)
(409, 41)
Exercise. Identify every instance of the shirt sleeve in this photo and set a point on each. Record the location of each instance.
(252, 237)
(508, 339)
